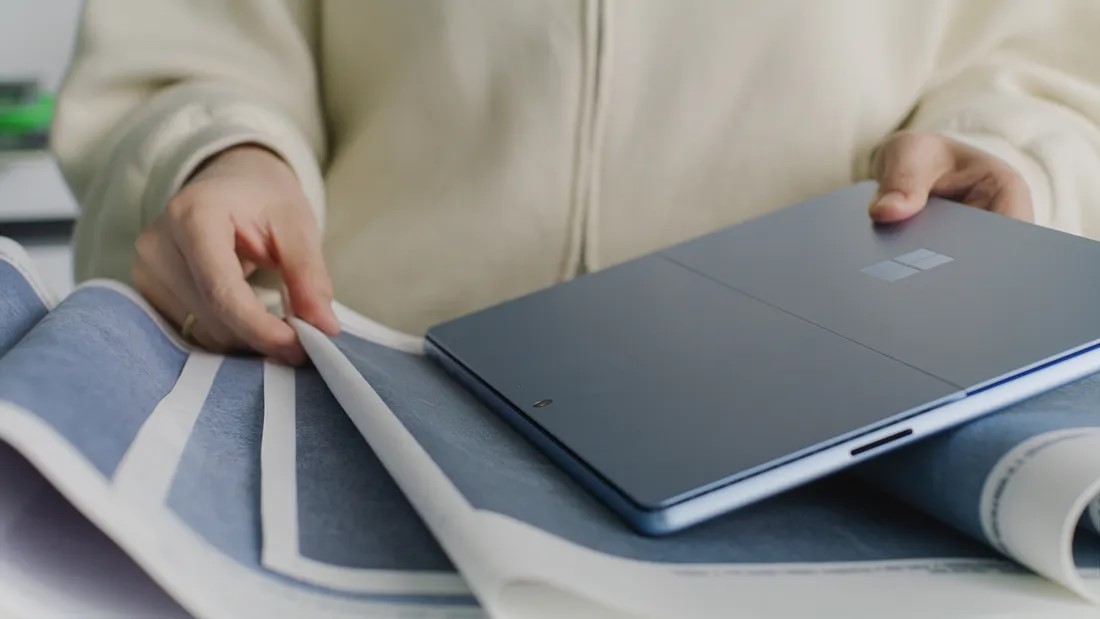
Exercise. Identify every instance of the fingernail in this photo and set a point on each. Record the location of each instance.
(890, 201)
(333, 325)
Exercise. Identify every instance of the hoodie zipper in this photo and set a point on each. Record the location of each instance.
(594, 75)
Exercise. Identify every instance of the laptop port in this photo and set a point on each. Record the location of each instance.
(882, 441)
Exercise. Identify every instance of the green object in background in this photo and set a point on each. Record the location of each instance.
(18, 91)
(30, 117)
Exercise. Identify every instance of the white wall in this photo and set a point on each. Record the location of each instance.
(36, 38)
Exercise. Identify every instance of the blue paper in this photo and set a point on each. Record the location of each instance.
(96, 367)
(496, 470)
(20, 306)
(945, 474)
(93, 369)
(216, 488)
(350, 511)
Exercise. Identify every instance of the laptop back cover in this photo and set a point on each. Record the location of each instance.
(691, 368)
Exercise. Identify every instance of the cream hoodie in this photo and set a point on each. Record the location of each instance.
(466, 151)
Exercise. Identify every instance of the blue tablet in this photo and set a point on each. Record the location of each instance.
(683, 384)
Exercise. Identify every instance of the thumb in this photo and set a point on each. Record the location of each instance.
(907, 168)
(309, 287)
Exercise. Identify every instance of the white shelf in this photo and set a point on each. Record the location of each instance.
(32, 189)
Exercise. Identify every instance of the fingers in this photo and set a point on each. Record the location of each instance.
(307, 280)
(207, 240)
(1014, 200)
(913, 166)
(988, 184)
(908, 167)
(170, 305)
(161, 275)
(244, 210)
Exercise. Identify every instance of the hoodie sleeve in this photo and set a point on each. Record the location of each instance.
(1032, 98)
(155, 88)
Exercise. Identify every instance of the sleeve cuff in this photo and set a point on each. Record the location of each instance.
(193, 135)
(1033, 173)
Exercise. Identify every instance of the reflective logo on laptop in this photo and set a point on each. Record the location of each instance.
(907, 264)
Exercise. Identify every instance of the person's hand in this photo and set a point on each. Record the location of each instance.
(243, 210)
(912, 166)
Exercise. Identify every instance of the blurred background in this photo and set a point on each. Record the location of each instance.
(36, 208)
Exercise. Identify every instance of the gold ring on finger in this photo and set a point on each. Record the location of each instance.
(187, 330)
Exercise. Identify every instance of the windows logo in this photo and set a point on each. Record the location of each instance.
(907, 264)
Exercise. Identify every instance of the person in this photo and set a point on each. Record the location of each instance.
(419, 160)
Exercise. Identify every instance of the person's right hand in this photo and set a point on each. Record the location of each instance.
(243, 210)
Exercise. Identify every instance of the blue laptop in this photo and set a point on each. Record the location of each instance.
(683, 384)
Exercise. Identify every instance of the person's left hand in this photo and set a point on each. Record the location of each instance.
(912, 166)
